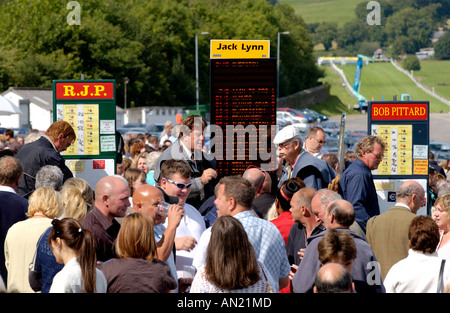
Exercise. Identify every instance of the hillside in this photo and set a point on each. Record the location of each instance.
(434, 74)
(316, 11)
(380, 81)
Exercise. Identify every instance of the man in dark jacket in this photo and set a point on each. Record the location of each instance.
(315, 172)
(45, 151)
(13, 208)
(188, 147)
(356, 183)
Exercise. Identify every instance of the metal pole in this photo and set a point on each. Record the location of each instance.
(196, 71)
(125, 93)
(197, 94)
(278, 62)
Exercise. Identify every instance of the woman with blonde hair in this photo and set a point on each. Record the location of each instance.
(441, 216)
(137, 268)
(77, 198)
(20, 243)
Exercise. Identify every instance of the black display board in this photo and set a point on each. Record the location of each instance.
(243, 110)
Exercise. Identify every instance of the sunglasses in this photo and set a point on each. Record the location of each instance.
(179, 185)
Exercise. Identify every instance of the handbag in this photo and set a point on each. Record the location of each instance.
(440, 288)
(35, 276)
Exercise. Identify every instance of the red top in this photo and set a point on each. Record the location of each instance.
(284, 223)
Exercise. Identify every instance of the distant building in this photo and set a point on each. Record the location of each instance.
(436, 35)
(425, 53)
(36, 105)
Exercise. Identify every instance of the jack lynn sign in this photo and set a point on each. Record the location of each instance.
(240, 49)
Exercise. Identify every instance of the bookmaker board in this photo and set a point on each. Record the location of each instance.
(404, 127)
(90, 107)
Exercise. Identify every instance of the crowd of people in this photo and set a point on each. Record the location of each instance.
(168, 222)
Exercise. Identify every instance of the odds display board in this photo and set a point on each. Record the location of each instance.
(243, 112)
(90, 107)
(404, 128)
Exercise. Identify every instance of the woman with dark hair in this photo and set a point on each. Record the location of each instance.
(231, 264)
(74, 246)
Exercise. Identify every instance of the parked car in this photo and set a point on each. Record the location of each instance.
(283, 119)
(439, 146)
(442, 155)
(293, 117)
(295, 112)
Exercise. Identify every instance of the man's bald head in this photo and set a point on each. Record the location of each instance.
(340, 214)
(145, 201)
(112, 196)
(146, 192)
(256, 177)
(333, 278)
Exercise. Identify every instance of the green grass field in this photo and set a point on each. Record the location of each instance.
(435, 74)
(339, 99)
(381, 81)
(316, 11)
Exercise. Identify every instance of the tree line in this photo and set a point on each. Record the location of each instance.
(405, 27)
(151, 42)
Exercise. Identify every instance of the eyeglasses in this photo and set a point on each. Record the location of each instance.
(284, 144)
(377, 156)
(322, 142)
(179, 185)
(71, 141)
(421, 199)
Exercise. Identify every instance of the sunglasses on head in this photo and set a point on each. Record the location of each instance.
(179, 185)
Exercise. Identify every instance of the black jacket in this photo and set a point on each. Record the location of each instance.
(34, 156)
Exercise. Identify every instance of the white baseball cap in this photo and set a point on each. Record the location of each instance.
(285, 134)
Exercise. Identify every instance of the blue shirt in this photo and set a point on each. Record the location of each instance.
(268, 243)
(357, 187)
(46, 262)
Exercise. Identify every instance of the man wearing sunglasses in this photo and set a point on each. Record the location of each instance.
(176, 182)
(315, 140)
(188, 147)
(315, 172)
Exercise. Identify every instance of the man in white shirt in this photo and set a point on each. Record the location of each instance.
(176, 182)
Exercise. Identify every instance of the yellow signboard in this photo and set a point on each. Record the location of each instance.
(240, 49)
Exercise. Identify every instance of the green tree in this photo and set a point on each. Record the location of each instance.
(325, 33)
(149, 41)
(411, 63)
(442, 47)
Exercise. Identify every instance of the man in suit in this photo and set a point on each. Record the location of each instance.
(13, 208)
(188, 147)
(315, 172)
(45, 151)
(387, 233)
